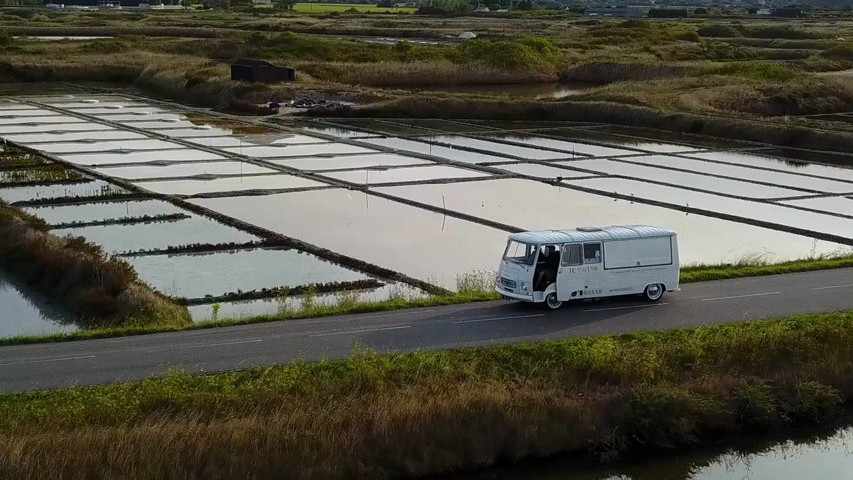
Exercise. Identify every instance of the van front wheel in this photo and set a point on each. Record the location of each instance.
(653, 292)
(551, 301)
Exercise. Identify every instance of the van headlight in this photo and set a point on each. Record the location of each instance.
(524, 286)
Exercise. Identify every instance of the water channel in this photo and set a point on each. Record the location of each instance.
(428, 198)
(822, 456)
(23, 312)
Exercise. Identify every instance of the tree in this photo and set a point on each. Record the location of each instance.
(284, 4)
(220, 4)
(524, 5)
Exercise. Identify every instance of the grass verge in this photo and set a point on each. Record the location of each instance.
(417, 414)
(473, 287)
(756, 267)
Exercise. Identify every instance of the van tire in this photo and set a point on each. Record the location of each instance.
(654, 292)
(551, 302)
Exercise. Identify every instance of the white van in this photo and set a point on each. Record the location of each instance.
(554, 266)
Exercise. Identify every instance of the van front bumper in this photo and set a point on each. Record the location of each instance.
(514, 296)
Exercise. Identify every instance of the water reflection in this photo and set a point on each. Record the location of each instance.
(24, 313)
(824, 456)
(527, 90)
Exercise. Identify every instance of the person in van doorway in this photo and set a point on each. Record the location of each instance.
(546, 267)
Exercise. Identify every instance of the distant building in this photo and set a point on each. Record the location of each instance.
(631, 12)
(247, 70)
(764, 11)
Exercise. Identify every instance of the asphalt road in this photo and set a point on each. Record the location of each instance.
(43, 366)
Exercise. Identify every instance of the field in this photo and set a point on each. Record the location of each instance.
(202, 198)
(142, 190)
(732, 71)
(347, 7)
(413, 415)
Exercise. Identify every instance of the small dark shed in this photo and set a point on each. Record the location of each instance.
(246, 70)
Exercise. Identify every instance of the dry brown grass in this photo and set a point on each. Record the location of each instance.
(814, 96)
(409, 432)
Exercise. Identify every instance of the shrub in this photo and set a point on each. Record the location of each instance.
(811, 400)
(755, 405)
(529, 53)
(687, 36)
(662, 415)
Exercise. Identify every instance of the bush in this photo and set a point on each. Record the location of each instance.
(812, 400)
(530, 53)
(688, 37)
(755, 406)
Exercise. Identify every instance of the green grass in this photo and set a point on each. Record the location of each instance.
(347, 7)
(424, 413)
(755, 267)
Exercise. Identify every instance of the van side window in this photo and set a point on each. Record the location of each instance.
(572, 255)
(591, 253)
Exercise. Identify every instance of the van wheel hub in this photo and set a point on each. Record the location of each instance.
(654, 292)
(551, 301)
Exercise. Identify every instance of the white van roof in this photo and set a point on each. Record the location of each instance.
(584, 234)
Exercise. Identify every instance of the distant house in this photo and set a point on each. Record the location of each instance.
(262, 2)
(764, 11)
(247, 70)
(631, 12)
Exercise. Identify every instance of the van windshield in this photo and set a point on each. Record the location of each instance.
(522, 253)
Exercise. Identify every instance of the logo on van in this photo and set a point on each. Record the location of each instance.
(590, 268)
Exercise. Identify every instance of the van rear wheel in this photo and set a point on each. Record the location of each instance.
(551, 301)
(653, 292)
